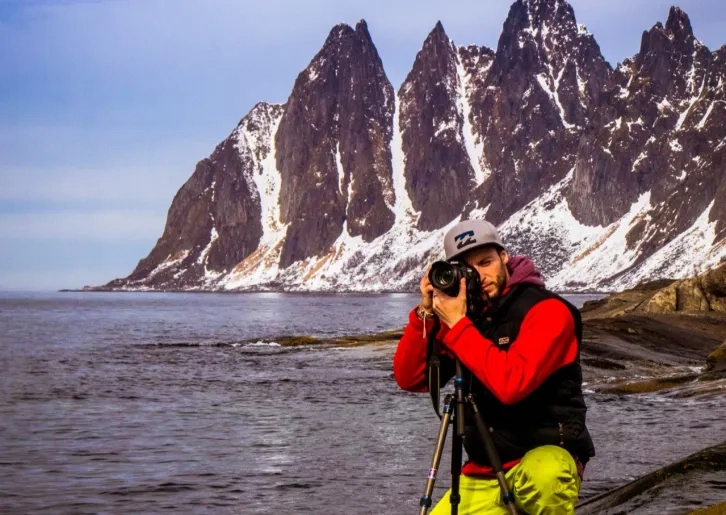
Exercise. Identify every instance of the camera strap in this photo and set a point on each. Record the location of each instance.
(434, 367)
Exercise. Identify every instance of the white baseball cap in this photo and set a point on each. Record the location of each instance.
(470, 234)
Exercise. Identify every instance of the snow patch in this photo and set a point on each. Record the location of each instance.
(203, 256)
(387, 263)
(339, 167)
(664, 104)
(637, 161)
(169, 262)
(550, 214)
(552, 91)
(472, 142)
(692, 252)
(604, 252)
(702, 123)
(403, 208)
(262, 265)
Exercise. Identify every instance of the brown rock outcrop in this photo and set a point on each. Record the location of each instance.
(716, 361)
(704, 293)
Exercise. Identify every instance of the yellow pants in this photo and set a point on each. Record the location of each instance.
(545, 482)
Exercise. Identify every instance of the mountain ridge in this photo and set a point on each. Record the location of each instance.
(349, 185)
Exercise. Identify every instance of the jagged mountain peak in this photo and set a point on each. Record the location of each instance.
(679, 24)
(341, 30)
(343, 41)
(536, 14)
(436, 39)
(604, 177)
(543, 9)
(671, 59)
(343, 34)
(260, 114)
(676, 36)
(361, 26)
(437, 56)
(542, 31)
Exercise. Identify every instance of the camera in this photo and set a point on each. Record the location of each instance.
(446, 276)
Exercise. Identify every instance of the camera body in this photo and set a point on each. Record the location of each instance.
(446, 276)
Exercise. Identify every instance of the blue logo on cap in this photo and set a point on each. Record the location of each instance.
(461, 242)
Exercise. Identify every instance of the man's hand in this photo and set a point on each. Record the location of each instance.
(427, 292)
(450, 309)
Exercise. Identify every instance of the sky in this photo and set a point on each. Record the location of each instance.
(106, 106)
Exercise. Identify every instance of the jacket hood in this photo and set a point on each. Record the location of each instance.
(522, 270)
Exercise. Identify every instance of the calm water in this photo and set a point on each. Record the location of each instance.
(146, 403)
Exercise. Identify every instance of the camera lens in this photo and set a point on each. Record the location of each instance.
(443, 275)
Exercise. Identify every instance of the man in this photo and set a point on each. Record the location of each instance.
(521, 361)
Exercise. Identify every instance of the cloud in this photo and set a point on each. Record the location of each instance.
(53, 279)
(82, 225)
(67, 263)
(136, 185)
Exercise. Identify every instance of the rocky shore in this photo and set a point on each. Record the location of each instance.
(667, 336)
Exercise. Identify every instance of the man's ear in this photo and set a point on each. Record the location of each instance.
(504, 256)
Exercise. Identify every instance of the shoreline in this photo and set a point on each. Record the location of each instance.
(286, 291)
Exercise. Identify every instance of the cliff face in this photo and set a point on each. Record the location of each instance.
(539, 98)
(439, 172)
(659, 138)
(334, 147)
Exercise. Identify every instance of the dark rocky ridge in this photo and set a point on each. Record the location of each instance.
(543, 107)
(220, 198)
(342, 104)
(438, 170)
(533, 109)
(654, 137)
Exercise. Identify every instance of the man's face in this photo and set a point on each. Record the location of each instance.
(491, 265)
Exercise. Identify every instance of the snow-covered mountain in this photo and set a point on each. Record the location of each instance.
(606, 177)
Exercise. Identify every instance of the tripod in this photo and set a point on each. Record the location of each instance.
(455, 403)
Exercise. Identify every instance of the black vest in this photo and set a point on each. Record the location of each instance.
(554, 414)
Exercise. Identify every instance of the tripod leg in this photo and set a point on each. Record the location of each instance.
(457, 443)
(426, 499)
(458, 440)
(493, 456)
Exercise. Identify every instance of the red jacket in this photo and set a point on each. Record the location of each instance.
(546, 343)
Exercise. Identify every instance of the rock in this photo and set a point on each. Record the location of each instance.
(718, 509)
(707, 292)
(716, 361)
(701, 294)
(691, 297)
(659, 330)
(664, 484)
(665, 301)
(624, 302)
(713, 283)
(651, 385)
